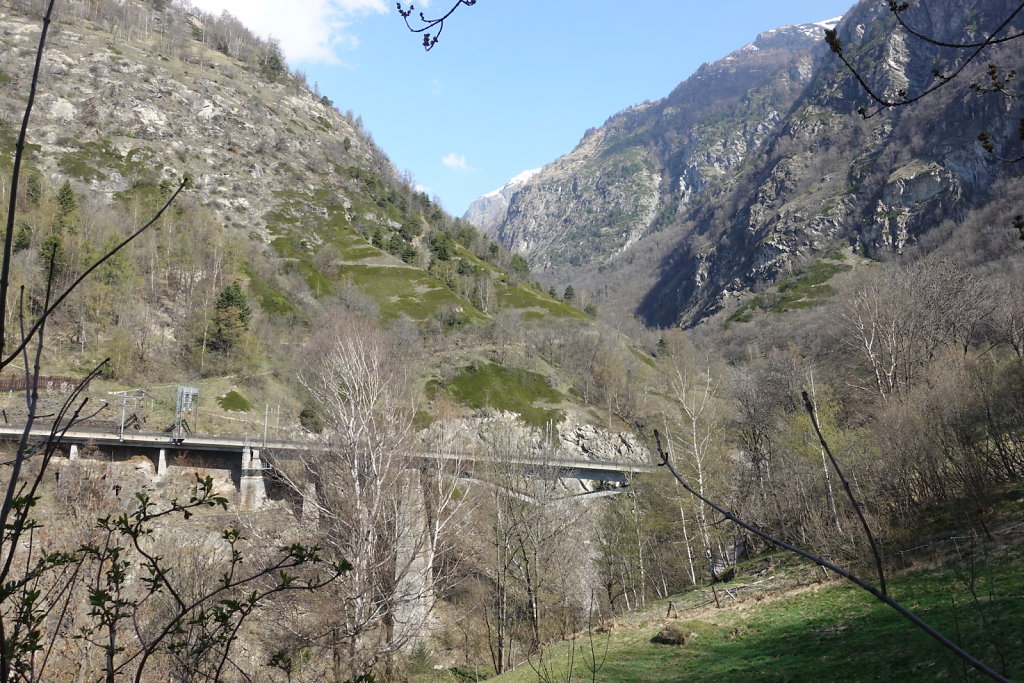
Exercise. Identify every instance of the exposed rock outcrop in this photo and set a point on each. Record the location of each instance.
(500, 431)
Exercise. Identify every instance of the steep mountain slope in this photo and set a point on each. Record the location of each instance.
(626, 177)
(761, 161)
(292, 214)
(134, 97)
(108, 89)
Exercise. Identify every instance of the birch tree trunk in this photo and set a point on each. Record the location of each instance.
(376, 508)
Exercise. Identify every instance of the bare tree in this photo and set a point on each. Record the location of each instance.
(377, 501)
(528, 522)
(1008, 319)
(902, 317)
(695, 392)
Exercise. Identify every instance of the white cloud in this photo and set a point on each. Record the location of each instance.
(456, 162)
(308, 30)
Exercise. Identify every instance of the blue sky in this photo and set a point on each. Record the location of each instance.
(513, 84)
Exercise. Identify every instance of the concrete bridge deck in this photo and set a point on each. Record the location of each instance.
(276, 449)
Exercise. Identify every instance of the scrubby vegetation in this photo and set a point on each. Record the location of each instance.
(803, 288)
(234, 401)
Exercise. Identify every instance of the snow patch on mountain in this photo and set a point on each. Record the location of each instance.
(488, 210)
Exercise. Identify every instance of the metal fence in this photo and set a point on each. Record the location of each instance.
(61, 385)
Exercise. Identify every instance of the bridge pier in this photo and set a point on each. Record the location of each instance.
(161, 463)
(73, 452)
(415, 551)
(310, 519)
(252, 491)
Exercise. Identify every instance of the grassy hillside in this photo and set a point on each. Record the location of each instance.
(791, 626)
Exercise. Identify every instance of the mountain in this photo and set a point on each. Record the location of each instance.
(614, 181)
(488, 210)
(760, 162)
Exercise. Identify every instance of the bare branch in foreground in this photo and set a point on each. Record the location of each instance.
(906, 613)
(430, 39)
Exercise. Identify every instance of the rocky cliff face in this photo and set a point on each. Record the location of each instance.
(830, 177)
(570, 440)
(488, 211)
(497, 432)
(760, 161)
(630, 176)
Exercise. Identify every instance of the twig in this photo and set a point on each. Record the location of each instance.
(849, 494)
(19, 150)
(429, 41)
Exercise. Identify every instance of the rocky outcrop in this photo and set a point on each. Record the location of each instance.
(498, 431)
(587, 442)
(913, 190)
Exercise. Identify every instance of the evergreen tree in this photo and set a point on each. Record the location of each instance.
(22, 238)
(519, 265)
(34, 188)
(310, 419)
(228, 329)
(66, 199)
(396, 244)
(230, 320)
(411, 228)
(232, 297)
(53, 248)
(67, 208)
(409, 254)
(441, 245)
